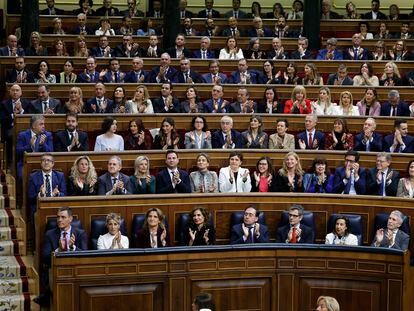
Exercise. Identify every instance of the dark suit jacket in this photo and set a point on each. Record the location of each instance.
(158, 105)
(57, 11)
(96, 52)
(36, 105)
(237, 235)
(408, 142)
(337, 54)
(187, 13)
(252, 32)
(217, 139)
(119, 51)
(318, 136)
(296, 55)
(333, 76)
(6, 115)
(207, 78)
(340, 186)
(203, 14)
(194, 75)
(334, 15)
(62, 141)
(173, 52)
(77, 30)
(272, 54)
(228, 33)
(197, 54)
(159, 51)
(88, 106)
(156, 70)
(51, 242)
(235, 77)
(402, 109)
(164, 185)
(368, 15)
(391, 183)
(112, 11)
(4, 51)
(240, 14)
(402, 240)
(83, 79)
(364, 55)
(36, 181)
(236, 108)
(307, 236)
(138, 13)
(11, 76)
(375, 145)
(143, 238)
(105, 183)
(209, 106)
(131, 76)
(107, 78)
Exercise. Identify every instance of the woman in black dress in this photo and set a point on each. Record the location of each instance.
(199, 231)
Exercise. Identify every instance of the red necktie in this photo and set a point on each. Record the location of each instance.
(310, 144)
(65, 241)
(293, 240)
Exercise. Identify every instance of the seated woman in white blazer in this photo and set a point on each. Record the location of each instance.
(234, 178)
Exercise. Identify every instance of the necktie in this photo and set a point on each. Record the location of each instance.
(65, 241)
(208, 12)
(250, 237)
(383, 180)
(114, 180)
(186, 77)
(355, 53)
(203, 55)
(116, 77)
(236, 14)
(182, 14)
(48, 188)
(71, 137)
(44, 107)
(294, 237)
(310, 141)
(37, 143)
(233, 31)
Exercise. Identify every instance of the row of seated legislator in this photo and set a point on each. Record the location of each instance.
(351, 178)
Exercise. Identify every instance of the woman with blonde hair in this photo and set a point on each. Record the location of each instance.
(312, 76)
(81, 49)
(142, 182)
(345, 106)
(114, 238)
(391, 75)
(75, 102)
(290, 176)
(327, 303)
(35, 48)
(140, 103)
(83, 177)
(154, 233)
(323, 106)
(298, 103)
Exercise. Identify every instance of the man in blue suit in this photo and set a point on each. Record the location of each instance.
(163, 72)
(310, 138)
(214, 76)
(172, 179)
(302, 51)
(382, 180)
(186, 74)
(99, 103)
(226, 137)
(44, 104)
(45, 182)
(137, 74)
(258, 30)
(356, 51)
(243, 103)
(82, 28)
(11, 49)
(208, 12)
(394, 106)
(89, 74)
(351, 178)
(167, 103)
(204, 52)
(392, 236)
(103, 49)
(243, 75)
(249, 231)
(295, 232)
(216, 104)
(399, 141)
(114, 74)
(330, 52)
(368, 139)
(340, 77)
(35, 139)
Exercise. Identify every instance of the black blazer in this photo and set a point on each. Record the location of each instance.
(199, 236)
(62, 141)
(143, 238)
(11, 76)
(74, 190)
(164, 185)
(203, 13)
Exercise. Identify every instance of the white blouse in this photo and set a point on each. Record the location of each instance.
(103, 143)
(339, 111)
(225, 55)
(105, 241)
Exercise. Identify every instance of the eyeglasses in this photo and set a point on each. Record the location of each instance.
(294, 215)
(47, 160)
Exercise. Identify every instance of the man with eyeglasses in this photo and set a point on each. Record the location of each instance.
(350, 179)
(330, 52)
(132, 10)
(391, 236)
(295, 232)
(249, 231)
(382, 180)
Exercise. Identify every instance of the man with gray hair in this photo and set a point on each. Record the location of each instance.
(295, 232)
(113, 181)
(302, 52)
(204, 52)
(326, 12)
(330, 52)
(82, 28)
(310, 138)
(382, 180)
(368, 139)
(391, 236)
(394, 106)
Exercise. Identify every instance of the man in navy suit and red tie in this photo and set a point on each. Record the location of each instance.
(172, 179)
(310, 138)
(295, 232)
(350, 179)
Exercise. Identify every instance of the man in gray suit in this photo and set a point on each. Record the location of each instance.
(44, 104)
(113, 181)
(391, 236)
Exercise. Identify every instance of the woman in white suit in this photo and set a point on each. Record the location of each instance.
(234, 178)
(199, 137)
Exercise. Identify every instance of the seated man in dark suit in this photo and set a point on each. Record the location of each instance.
(399, 141)
(82, 28)
(70, 139)
(281, 30)
(278, 51)
(137, 74)
(392, 237)
(350, 179)
(163, 72)
(44, 104)
(204, 52)
(132, 10)
(128, 48)
(172, 179)
(258, 30)
(183, 10)
(154, 50)
(210, 28)
(51, 9)
(35, 139)
(186, 74)
(382, 180)
(156, 11)
(166, 103)
(356, 51)
(214, 76)
(179, 50)
(243, 103)
(295, 232)
(249, 231)
(208, 12)
(63, 238)
(326, 12)
(11, 49)
(232, 30)
(302, 52)
(394, 106)
(236, 12)
(114, 74)
(340, 77)
(19, 74)
(89, 74)
(216, 104)
(226, 137)
(310, 138)
(368, 139)
(107, 9)
(187, 28)
(103, 49)
(374, 13)
(99, 103)
(113, 181)
(243, 75)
